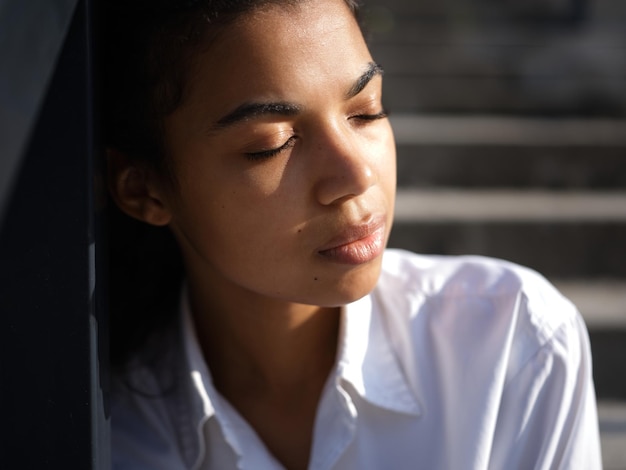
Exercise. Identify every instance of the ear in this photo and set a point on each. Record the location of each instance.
(136, 189)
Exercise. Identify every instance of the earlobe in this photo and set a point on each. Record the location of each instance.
(134, 188)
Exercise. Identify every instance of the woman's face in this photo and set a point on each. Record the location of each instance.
(284, 160)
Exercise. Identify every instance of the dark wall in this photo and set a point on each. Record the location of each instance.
(51, 403)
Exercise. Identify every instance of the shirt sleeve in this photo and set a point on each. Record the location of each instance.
(548, 415)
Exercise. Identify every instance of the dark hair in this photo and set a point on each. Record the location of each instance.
(148, 49)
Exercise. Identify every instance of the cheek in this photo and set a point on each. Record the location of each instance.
(240, 223)
(229, 197)
(266, 179)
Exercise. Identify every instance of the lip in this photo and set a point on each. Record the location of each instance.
(357, 244)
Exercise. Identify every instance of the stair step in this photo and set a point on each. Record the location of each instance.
(612, 417)
(524, 12)
(485, 130)
(563, 57)
(498, 167)
(608, 347)
(465, 94)
(535, 206)
(564, 250)
(508, 152)
(475, 61)
(602, 303)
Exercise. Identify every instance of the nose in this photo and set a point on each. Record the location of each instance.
(345, 166)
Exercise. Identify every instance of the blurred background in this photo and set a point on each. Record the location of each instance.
(510, 120)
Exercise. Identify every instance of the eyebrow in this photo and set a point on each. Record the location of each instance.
(253, 110)
(373, 69)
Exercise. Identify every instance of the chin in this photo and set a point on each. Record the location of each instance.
(351, 287)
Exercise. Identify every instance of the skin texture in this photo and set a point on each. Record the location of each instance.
(259, 228)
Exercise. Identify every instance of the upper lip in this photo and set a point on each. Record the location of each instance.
(355, 232)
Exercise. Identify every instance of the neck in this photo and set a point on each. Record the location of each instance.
(253, 343)
(269, 359)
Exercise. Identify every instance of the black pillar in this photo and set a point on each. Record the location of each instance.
(51, 372)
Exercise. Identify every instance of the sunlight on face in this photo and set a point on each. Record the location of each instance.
(285, 159)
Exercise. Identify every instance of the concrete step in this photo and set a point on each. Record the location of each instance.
(491, 166)
(387, 27)
(602, 303)
(467, 60)
(512, 131)
(612, 417)
(564, 57)
(563, 235)
(532, 206)
(608, 347)
(505, 151)
(603, 306)
(559, 250)
(514, 152)
(463, 94)
(603, 10)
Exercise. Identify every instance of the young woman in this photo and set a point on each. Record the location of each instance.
(254, 133)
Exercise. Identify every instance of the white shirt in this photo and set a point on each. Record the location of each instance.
(450, 363)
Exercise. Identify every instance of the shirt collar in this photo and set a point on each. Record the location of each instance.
(365, 360)
(201, 381)
(198, 369)
(368, 362)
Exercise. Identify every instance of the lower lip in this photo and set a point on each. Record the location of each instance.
(359, 251)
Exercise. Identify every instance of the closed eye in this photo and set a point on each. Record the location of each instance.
(370, 117)
(263, 154)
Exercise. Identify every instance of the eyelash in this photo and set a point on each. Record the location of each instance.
(264, 154)
(371, 117)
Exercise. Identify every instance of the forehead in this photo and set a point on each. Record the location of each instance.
(278, 52)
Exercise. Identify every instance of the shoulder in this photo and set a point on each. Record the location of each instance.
(435, 275)
(441, 278)
(474, 304)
